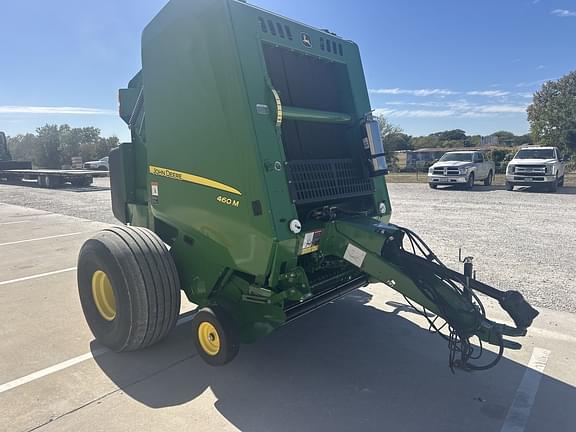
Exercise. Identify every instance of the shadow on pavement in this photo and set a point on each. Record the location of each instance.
(346, 367)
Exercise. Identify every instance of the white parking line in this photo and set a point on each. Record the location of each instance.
(50, 370)
(13, 223)
(37, 276)
(68, 363)
(40, 238)
(519, 411)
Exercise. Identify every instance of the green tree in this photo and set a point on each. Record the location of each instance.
(47, 149)
(552, 115)
(394, 139)
(451, 135)
(54, 146)
(22, 147)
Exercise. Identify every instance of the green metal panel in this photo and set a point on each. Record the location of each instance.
(209, 170)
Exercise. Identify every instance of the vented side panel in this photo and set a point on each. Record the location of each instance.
(326, 179)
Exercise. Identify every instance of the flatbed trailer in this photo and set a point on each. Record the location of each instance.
(50, 178)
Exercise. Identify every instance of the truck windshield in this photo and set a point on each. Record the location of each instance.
(535, 154)
(459, 157)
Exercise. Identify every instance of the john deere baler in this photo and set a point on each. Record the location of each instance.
(255, 183)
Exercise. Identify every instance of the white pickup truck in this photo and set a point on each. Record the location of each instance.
(461, 168)
(536, 166)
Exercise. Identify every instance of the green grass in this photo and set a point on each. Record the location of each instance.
(570, 179)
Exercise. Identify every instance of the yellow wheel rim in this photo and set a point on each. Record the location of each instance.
(209, 338)
(103, 294)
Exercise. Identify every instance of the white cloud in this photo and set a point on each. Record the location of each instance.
(500, 109)
(414, 113)
(416, 92)
(563, 13)
(534, 83)
(488, 93)
(51, 110)
(438, 92)
(457, 109)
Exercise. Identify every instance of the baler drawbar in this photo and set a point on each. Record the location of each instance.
(255, 182)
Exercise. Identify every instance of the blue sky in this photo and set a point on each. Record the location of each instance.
(430, 65)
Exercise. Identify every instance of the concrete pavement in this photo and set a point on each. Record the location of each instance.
(365, 362)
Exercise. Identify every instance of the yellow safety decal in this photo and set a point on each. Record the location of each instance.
(279, 112)
(191, 178)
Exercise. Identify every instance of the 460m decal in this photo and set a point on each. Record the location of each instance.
(191, 178)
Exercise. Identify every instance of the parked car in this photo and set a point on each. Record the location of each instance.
(461, 168)
(100, 165)
(536, 166)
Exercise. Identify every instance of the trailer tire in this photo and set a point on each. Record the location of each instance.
(215, 336)
(52, 182)
(81, 182)
(129, 288)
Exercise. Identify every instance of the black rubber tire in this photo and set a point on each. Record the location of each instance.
(81, 182)
(145, 285)
(561, 182)
(432, 185)
(470, 181)
(229, 342)
(53, 182)
(553, 186)
(509, 186)
(488, 180)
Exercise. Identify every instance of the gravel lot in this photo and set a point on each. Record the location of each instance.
(521, 240)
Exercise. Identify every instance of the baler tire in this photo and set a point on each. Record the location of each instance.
(215, 323)
(129, 288)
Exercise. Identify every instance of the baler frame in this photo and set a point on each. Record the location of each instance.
(255, 157)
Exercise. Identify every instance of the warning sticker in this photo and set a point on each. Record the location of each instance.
(354, 255)
(154, 192)
(311, 242)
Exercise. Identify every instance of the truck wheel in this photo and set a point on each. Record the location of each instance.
(129, 288)
(432, 185)
(488, 180)
(561, 182)
(215, 336)
(470, 182)
(509, 186)
(553, 186)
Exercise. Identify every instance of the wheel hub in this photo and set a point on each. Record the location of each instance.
(103, 294)
(209, 338)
